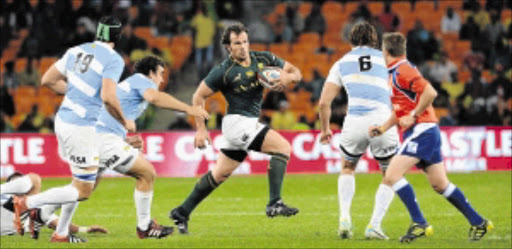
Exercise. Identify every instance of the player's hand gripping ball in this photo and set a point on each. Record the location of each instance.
(268, 76)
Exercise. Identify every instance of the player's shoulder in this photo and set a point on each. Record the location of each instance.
(266, 55)
(407, 69)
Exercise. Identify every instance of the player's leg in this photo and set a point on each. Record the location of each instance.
(227, 162)
(436, 175)
(279, 149)
(22, 184)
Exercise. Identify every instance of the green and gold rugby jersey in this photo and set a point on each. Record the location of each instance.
(240, 85)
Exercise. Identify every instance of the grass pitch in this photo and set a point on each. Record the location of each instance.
(233, 216)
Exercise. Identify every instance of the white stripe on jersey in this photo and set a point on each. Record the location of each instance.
(367, 79)
(355, 58)
(80, 84)
(125, 86)
(76, 108)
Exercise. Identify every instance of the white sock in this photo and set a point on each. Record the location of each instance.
(47, 211)
(66, 214)
(20, 185)
(59, 195)
(143, 205)
(346, 191)
(383, 199)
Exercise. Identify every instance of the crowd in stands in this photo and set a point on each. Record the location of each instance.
(465, 53)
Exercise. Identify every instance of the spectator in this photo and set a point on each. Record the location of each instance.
(260, 31)
(362, 12)
(316, 85)
(166, 20)
(474, 60)
(6, 101)
(9, 77)
(448, 120)
(339, 112)
(322, 48)
(389, 20)
(494, 32)
(6, 33)
(180, 123)
(302, 125)
(229, 9)
(31, 76)
(481, 16)
(272, 100)
(315, 22)
(31, 46)
(282, 32)
(451, 22)
(469, 30)
(348, 27)
(443, 70)
(203, 42)
(501, 86)
(32, 121)
(47, 126)
(421, 44)
(284, 119)
(294, 19)
(80, 36)
(129, 42)
(500, 114)
(477, 91)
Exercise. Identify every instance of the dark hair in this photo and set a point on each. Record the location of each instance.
(13, 175)
(235, 28)
(364, 34)
(147, 64)
(109, 29)
(394, 43)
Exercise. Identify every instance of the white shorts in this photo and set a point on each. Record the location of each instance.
(238, 132)
(355, 138)
(115, 153)
(77, 144)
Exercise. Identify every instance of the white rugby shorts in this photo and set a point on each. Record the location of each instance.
(238, 132)
(115, 153)
(355, 138)
(77, 145)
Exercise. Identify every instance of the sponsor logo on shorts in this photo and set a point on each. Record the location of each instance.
(412, 147)
(112, 160)
(126, 148)
(77, 159)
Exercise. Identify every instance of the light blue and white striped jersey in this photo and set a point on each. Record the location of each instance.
(364, 74)
(85, 66)
(130, 93)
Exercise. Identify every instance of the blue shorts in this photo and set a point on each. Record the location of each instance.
(423, 141)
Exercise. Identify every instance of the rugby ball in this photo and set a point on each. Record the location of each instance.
(267, 74)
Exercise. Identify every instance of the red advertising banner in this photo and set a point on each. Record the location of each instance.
(173, 153)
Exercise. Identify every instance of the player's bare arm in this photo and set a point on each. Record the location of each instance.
(329, 92)
(426, 98)
(198, 99)
(54, 80)
(290, 74)
(108, 95)
(376, 130)
(167, 101)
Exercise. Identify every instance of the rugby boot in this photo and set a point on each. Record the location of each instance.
(155, 231)
(280, 209)
(417, 230)
(71, 238)
(180, 221)
(477, 232)
(375, 233)
(35, 223)
(345, 231)
(20, 208)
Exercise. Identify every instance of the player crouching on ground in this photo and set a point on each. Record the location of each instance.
(117, 154)
(237, 79)
(413, 112)
(29, 184)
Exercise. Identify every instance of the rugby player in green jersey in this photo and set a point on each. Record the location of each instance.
(236, 78)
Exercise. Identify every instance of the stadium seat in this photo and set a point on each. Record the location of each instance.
(441, 112)
(160, 42)
(488, 76)
(20, 65)
(401, 7)
(143, 32)
(280, 9)
(331, 8)
(77, 4)
(376, 7)
(258, 47)
(350, 7)
(46, 63)
(280, 49)
(312, 38)
(305, 9)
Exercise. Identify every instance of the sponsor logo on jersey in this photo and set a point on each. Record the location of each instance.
(260, 65)
(238, 77)
(112, 160)
(412, 147)
(249, 73)
(77, 159)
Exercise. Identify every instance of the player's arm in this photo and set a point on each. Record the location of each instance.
(79, 229)
(54, 80)
(426, 93)
(379, 130)
(109, 97)
(290, 74)
(198, 99)
(167, 101)
(329, 92)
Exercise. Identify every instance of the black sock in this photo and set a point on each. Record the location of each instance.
(203, 188)
(276, 171)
